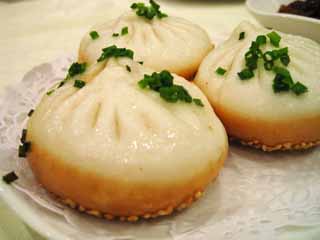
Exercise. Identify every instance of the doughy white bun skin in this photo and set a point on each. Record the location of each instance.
(249, 109)
(113, 149)
(170, 43)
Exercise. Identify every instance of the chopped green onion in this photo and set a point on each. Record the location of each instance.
(143, 83)
(163, 83)
(128, 68)
(50, 92)
(252, 62)
(23, 136)
(285, 59)
(198, 102)
(221, 71)
(268, 65)
(76, 68)
(298, 88)
(30, 113)
(268, 56)
(175, 93)
(254, 47)
(274, 38)
(252, 56)
(124, 31)
(245, 74)
(23, 149)
(170, 94)
(10, 177)
(282, 71)
(148, 12)
(141, 62)
(242, 35)
(157, 80)
(281, 83)
(261, 40)
(280, 52)
(79, 83)
(61, 84)
(115, 35)
(94, 35)
(283, 80)
(114, 51)
(276, 54)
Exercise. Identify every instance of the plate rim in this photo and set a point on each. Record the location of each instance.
(249, 5)
(25, 214)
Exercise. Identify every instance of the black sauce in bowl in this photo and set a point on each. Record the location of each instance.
(308, 8)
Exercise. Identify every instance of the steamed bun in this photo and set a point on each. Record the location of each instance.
(255, 111)
(114, 149)
(170, 43)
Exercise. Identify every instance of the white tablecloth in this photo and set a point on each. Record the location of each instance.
(38, 31)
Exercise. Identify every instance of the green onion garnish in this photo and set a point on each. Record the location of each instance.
(242, 35)
(261, 40)
(157, 80)
(281, 83)
(198, 102)
(128, 68)
(94, 35)
(23, 149)
(79, 83)
(282, 71)
(114, 51)
(61, 84)
(10, 177)
(124, 31)
(163, 83)
(76, 68)
(141, 62)
(23, 136)
(245, 74)
(175, 93)
(268, 65)
(50, 92)
(30, 112)
(283, 80)
(274, 38)
(115, 35)
(148, 12)
(221, 71)
(285, 60)
(280, 52)
(268, 56)
(298, 88)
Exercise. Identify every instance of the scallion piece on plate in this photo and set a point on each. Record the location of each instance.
(10, 177)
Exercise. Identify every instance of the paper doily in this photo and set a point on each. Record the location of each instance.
(257, 195)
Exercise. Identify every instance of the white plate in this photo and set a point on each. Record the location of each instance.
(266, 12)
(257, 196)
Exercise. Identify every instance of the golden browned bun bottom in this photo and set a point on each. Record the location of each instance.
(268, 135)
(98, 196)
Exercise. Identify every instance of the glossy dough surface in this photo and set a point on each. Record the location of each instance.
(118, 149)
(249, 109)
(170, 43)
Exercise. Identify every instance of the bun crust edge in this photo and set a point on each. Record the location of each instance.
(295, 134)
(108, 198)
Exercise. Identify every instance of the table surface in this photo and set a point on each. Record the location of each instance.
(38, 31)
